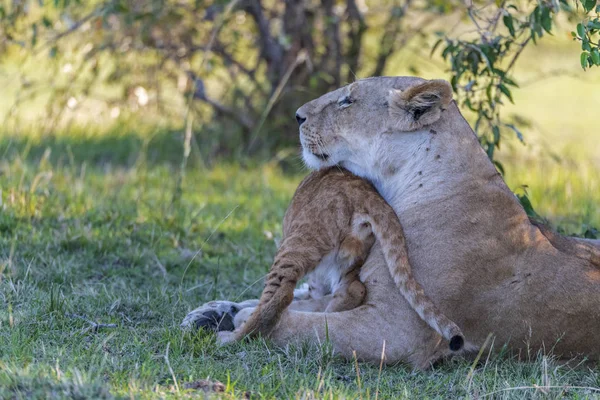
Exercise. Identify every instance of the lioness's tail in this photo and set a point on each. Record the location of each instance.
(388, 230)
(293, 261)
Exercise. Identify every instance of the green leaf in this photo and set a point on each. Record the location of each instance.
(595, 24)
(580, 30)
(526, 203)
(517, 131)
(496, 133)
(508, 22)
(536, 25)
(588, 5)
(585, 44)
(506, 92)
(546, 20)
(509, 81)
(533, 37)
(595, 56)
(435, 46)
(34, 35)
(490, 151)
(584, 60)
(499, 167)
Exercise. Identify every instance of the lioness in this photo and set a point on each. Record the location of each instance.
(471, 245)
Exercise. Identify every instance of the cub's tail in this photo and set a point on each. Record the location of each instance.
(388, 231)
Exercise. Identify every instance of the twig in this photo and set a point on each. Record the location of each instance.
(471, 14)
(517, 54)
(302, 57)
(241, 118)
(217, 29)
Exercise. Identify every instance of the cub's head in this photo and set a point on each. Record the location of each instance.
(341, 126)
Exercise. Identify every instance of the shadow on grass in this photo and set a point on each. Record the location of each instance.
(127, 147)
(117, 148)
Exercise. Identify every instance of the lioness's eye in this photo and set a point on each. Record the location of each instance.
(345, 102)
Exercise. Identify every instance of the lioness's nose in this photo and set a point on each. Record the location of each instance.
(300, 119)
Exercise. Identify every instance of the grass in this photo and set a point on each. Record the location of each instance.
(100, 242)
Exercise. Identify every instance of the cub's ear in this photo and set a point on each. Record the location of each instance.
(419, 105)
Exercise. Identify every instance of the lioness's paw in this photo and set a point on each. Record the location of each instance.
(224, 338)
(243, 316)
(214, 315)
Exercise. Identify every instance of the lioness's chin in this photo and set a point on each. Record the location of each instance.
(313, 161)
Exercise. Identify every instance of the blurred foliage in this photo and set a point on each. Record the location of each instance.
(587, 31)
(238, 69)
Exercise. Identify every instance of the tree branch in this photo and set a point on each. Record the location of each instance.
(200, 94)
(332, 58)
(271, 50)
(355, 34)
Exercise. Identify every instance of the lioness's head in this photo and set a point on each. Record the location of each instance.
(340, 126)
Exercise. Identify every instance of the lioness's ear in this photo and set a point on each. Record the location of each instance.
(419, 105)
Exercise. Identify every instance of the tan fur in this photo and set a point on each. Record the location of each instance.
(336, 216)
(470, 243)
(419, 105)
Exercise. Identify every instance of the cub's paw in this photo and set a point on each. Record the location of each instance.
(302, 293)
(214, 316)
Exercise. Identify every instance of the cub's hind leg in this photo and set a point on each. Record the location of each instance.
(350, 292)
(347, 297)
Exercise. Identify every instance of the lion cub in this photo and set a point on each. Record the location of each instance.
(330, 226)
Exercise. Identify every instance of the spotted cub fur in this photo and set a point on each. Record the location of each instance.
(328, 230)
